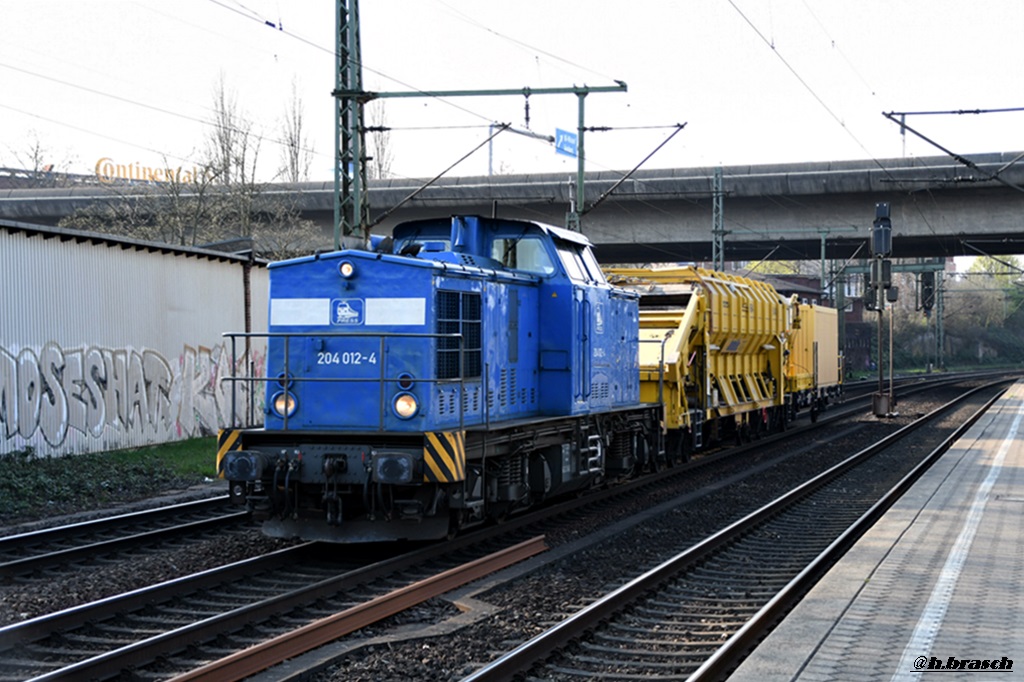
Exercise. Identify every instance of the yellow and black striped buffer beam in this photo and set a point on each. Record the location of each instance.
(444, 454)
(227, 440)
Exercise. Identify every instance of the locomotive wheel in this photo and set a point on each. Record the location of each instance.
(456, 520)
(778, 419)
(652, 462)
(685, 447)
(499, 512)
(676, 448)
(683, 452)
(642, 454)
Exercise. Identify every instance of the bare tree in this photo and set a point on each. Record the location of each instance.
(34, 156)
(229, 138)
(380, 141)
(39, 163)
(222, 203)
(179, 210)
(296, 154)
(245, 210)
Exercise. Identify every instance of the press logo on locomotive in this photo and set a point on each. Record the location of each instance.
(347, 311)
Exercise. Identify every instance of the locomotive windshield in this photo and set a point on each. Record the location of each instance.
(579, 263)
(414, 242)
(524, 252)
(519, 246)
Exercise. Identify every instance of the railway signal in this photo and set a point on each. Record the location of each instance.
(880, 291)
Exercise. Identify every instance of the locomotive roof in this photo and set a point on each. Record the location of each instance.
(559, 232)
(424, 228)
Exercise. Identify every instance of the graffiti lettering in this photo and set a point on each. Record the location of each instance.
(88, 399)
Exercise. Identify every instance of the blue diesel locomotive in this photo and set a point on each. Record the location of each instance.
(475, 367)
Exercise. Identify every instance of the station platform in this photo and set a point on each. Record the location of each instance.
(935, 590)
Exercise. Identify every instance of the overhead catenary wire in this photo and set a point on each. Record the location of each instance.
(419, 91)
(248, 14)
(430, 182)
(958, 157)
(177, 114)
(1008, 264)
(800, 79)
(771, 44)
(607, 193)
(132, 102)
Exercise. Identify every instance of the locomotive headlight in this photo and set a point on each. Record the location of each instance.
(243, 465)
(284, 404)
(347, 269)
(405, 405)
(396, 468)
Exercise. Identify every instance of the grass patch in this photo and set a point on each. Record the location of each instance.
(195, 457)
(33, 487)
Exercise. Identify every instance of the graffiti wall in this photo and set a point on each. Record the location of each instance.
(107, 344)
(59, 400)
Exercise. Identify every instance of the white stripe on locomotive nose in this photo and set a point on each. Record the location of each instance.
(396, 311)
(306, 312)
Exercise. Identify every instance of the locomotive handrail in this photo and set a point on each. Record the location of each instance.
(381, 380)
(389, 334)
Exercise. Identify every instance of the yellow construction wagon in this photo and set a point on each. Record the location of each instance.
(712, 350)
(814, 362)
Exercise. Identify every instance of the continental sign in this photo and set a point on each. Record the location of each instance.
(107, 170)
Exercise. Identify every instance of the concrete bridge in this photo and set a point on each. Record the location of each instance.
(940, 207)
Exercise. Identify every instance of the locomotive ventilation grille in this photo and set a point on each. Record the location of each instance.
(448, 399)
(458, 312)
(508, 394)
(468, 259)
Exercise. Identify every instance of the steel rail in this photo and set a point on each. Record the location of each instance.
(320, 632)
(45, 535)
(748, 636)
(76, 616)
(528, 654)
(88, 551)
(144, 651)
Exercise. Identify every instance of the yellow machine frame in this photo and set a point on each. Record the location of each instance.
(716, 346)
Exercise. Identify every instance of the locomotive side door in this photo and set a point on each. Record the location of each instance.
(589, 306)
(581, 311)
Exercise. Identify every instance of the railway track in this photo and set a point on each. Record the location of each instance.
(698, 614)
(34, 639)
(41, 553)
(180, 625)
(178, 614)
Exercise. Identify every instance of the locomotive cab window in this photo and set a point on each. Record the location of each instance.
(573, 262)
(593, 268)
(524, 252)
(414, 246)
(409, 240)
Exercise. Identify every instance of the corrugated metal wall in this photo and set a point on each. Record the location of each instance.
(105, 346)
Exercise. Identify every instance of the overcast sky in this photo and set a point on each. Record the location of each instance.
(756, 81)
